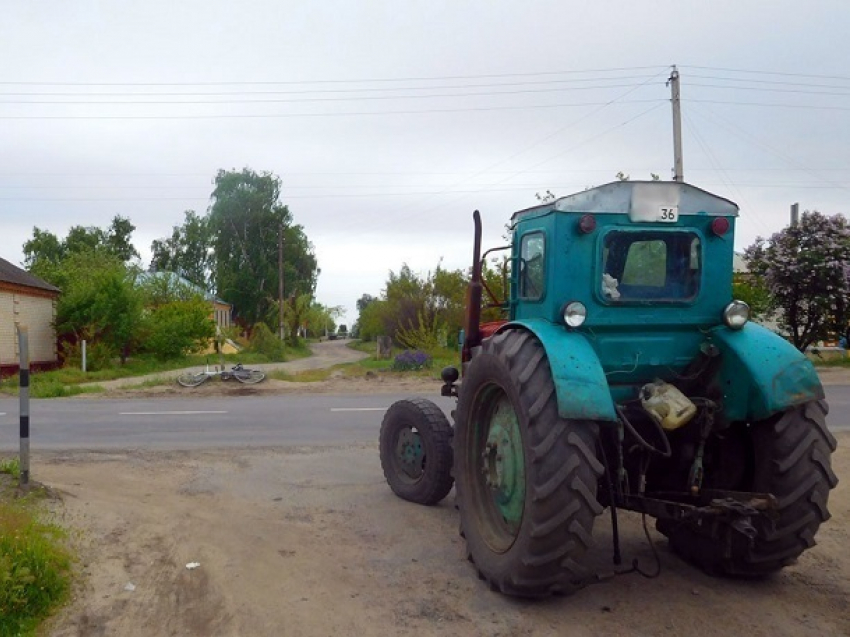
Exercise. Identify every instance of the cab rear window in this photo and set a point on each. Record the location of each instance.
(650, 266)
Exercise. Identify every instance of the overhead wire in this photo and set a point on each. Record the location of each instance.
(737, 131)
(721, 172)
(332, 81)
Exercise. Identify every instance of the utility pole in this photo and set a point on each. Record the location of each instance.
(673, 82)
(795, 214)
(280, 329)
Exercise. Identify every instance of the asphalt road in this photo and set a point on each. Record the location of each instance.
(286, 420)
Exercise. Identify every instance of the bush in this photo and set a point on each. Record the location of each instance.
(264, 342)
(34, 570)
(412, 360)
(99, 355)
(177, 328)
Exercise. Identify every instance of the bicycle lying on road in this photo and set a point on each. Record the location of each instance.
(242, 374)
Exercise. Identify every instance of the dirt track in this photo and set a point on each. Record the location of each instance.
(310, 541)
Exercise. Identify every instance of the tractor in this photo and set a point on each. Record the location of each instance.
(623, 376)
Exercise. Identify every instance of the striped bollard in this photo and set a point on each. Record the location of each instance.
(24, 394)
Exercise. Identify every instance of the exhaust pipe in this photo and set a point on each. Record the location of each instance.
(472, 329)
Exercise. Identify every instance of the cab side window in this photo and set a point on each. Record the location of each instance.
(532, 269)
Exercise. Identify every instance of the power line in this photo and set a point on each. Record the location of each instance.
(310, 99)
(742, 134)
(323, 91)
(770, 90)
(333, 114)
(333, 81)
(761, 72)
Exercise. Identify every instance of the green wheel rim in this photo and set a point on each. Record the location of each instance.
(410, 454)
(499, 455)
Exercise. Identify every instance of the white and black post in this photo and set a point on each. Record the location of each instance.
(24, 395)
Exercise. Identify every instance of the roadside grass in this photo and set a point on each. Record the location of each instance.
(72, 381)
(439, 359)
(306, 376)
(35, 563)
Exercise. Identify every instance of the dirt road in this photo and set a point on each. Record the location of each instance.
(310, 541)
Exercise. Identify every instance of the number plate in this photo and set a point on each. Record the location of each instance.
(668, 214)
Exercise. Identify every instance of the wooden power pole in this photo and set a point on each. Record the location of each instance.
(280, 328)
(678, 172)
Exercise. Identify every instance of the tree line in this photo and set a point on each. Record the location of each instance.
(231, 252)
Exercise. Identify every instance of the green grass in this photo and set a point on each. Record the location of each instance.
(306, 376)
(441, 358)
(11, 467)
(72, 381)
(35, 565)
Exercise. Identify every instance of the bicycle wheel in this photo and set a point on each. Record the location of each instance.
(190, 379)
(249, 376)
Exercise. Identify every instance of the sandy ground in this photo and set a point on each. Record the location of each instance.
(310, 541)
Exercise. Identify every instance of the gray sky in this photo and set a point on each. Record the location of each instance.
(389, 122)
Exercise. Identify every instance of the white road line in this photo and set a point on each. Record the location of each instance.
(169, 413)
(358, 408)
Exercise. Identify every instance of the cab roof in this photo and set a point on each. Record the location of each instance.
(638, 199)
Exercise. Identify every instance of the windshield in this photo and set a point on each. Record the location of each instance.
(650, 266)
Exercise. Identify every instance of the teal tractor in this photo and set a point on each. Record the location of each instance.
(623, 376)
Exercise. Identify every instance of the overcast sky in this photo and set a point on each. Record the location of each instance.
(389, 122)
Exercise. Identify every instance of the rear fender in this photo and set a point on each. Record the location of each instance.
(580, 385)
(762, 374)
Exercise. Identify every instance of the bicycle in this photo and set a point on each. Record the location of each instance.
(238, 372)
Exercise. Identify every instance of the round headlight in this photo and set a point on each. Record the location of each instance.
(736, 315)
(574, 314)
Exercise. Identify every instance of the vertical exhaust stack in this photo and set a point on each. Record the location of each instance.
(473, 296)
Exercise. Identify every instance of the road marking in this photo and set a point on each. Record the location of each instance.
(169, 413)
(358, 408)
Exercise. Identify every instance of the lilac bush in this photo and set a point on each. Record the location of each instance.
(411, 359)
(807, 270)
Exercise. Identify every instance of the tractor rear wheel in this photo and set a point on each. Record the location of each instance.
(791, 460)
(526, 478)
(416, 451)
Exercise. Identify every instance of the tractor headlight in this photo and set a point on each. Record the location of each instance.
(736, 315)
(574, 314)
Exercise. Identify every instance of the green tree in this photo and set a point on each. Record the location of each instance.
(100, 301)
(806, 268)
(245, 219)
(754, 292)
(187, 252)
(117, 239)
(43, 253)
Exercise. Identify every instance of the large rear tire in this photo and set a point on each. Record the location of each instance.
(416, 451)
(792, 461)
(526, 478)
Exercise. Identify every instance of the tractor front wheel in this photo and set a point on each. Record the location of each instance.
(791, 460)
(416, 451)
(526, 478)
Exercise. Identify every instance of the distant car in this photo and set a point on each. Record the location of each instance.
(342, 332)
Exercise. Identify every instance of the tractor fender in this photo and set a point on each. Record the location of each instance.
(580, 385)
(762, 374)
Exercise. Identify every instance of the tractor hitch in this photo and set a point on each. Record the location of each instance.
(733, 507)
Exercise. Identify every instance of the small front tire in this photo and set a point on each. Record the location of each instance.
(416, 451)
